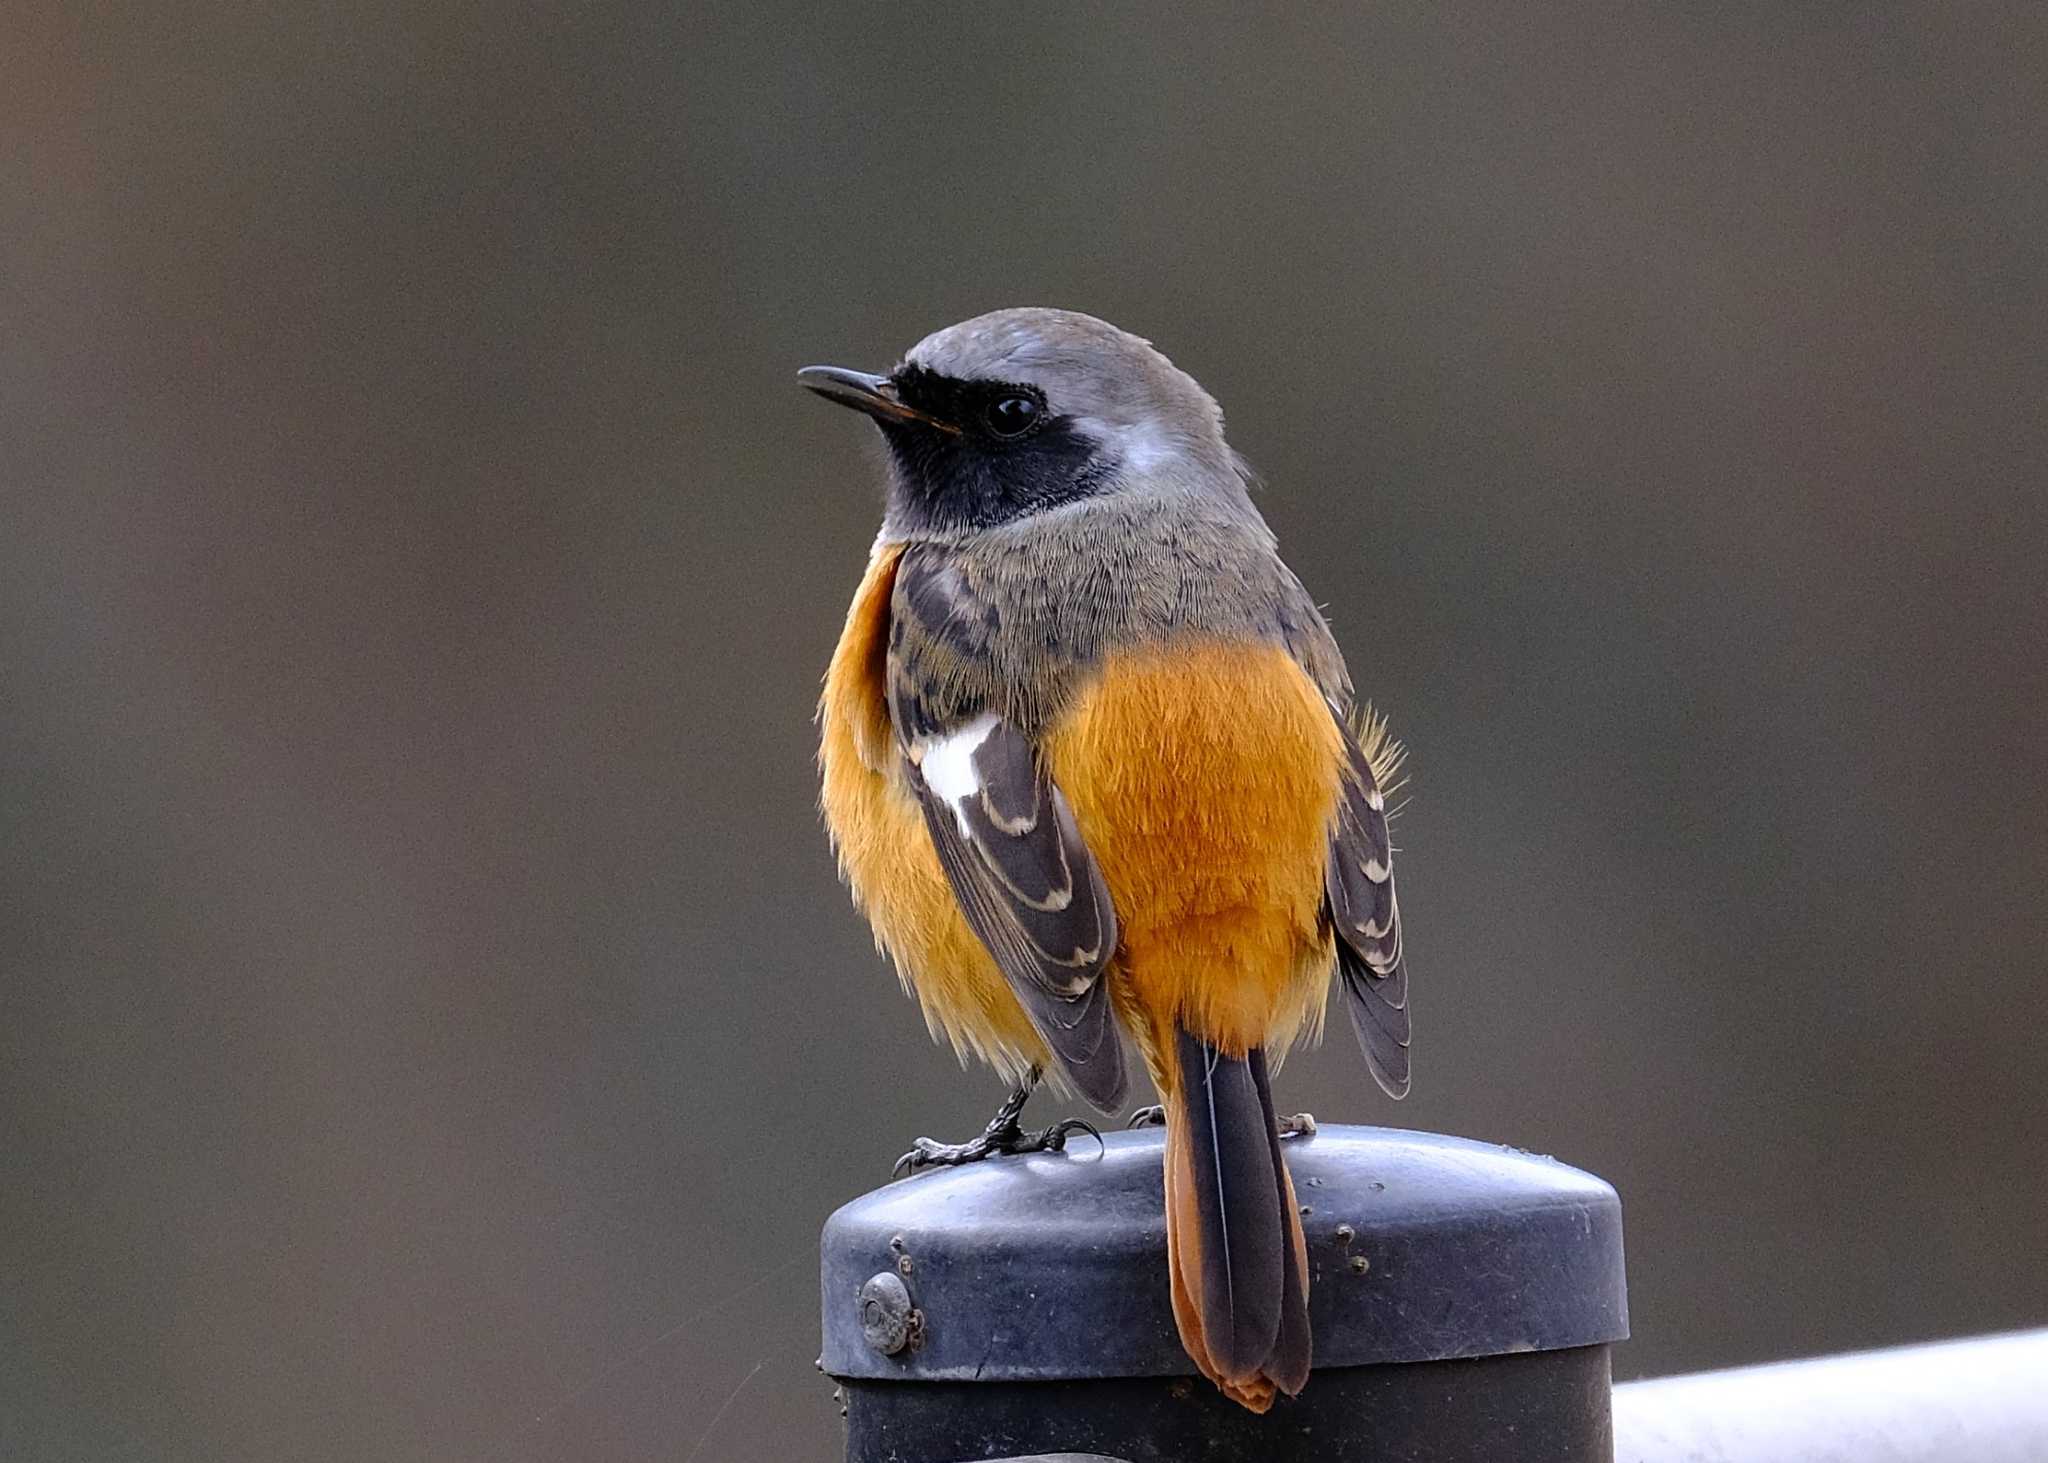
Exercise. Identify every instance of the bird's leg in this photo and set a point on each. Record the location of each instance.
(1004, 1134)
(1300, 1125)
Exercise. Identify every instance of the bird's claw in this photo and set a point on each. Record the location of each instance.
(1148, 1117)
(924, 1153)
(1054, 1138)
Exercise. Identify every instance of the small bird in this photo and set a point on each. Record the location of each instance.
(1091, 758)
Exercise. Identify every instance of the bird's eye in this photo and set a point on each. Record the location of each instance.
(1012, 416)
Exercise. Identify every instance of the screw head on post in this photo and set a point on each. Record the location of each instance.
(887, 1318)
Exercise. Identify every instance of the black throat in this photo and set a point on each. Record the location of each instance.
(973, 478)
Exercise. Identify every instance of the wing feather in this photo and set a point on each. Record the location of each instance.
(1364, 909)
(1005, 836)
(1033, 894)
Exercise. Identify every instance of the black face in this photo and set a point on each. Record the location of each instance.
(1010, 456)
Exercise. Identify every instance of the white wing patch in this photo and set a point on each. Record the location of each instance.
(947, 764)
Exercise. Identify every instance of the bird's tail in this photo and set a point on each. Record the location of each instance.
(1233, 1232)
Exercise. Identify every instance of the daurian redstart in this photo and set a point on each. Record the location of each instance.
(1092, 758)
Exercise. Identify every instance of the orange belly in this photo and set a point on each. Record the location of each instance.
(1204, 780)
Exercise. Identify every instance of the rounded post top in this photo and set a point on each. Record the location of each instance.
(1421, 1248)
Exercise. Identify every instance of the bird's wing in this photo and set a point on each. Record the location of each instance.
(1004, 833)
(1359, 885)
(1358, 882)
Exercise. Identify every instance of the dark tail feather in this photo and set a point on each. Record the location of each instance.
(1249, 1282)
(1288, 1366)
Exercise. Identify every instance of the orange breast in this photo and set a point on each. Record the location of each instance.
(886, 855)
(1205, 779)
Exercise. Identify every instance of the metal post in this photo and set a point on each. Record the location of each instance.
(1463, 1298)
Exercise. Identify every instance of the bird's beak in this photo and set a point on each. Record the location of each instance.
(875, 395)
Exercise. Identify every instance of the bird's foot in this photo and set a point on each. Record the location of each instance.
(1003, 1135)
(925, 1153)
(1300, 1125)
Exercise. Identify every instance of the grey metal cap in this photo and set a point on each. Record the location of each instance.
(1421, 1248)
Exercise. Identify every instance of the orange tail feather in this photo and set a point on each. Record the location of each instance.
(1234, 1243)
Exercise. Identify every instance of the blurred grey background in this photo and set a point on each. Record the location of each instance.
(430, 1025)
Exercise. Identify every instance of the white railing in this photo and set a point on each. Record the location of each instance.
(1983, 1400)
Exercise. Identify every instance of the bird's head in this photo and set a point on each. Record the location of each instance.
(1028, 411)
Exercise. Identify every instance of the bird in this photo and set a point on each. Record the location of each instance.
(1093, 765)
